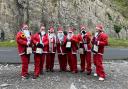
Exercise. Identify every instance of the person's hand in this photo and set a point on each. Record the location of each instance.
(96, 42)
(67, 40)
(40, 45)
(83, 32)
(28, 43)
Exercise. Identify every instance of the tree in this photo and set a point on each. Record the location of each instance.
(117, 29)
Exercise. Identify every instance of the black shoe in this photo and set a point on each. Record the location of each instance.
(41, 73)
(47, 70)
(64, 70)
(89, 73)
(60, 70)
(51, 70)
(35, 77)
(82, 71)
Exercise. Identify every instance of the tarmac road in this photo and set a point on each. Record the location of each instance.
(10, 55)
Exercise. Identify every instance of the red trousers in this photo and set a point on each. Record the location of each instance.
(62, 61)
(72, 61)
(50, 61)
(86, 61)
(39, 63)
(98, 62)
(25, 62)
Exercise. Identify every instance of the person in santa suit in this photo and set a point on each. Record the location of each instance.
(40, 41)
(71, 47)
(51, 50)
(61, 49)
(23, 39)
(84, 38)
(99, 41)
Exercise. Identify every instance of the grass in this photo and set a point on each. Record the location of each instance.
(118, 43)
(112, 43)
(7, 44)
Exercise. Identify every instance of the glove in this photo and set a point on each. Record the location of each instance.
(81, 45)
(96, 43)
(40, 45)
(67, 40)
(28, 43)
(83, 32)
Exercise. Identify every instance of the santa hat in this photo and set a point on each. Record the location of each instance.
(99, 27)
(51, 29)
(82, 27)
(60, 29)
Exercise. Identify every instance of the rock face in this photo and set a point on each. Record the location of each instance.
(65, 12)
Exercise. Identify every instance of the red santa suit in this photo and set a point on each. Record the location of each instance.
(40, 41)
(100, 40)
(84, 39)
(23, 40)
(51, 50)
(71, 47)
(61, 49)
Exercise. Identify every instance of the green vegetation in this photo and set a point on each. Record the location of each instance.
(117, 29)
(122, 6)
(112, 43)
(109, 16)
(8, 44)
(118, 42)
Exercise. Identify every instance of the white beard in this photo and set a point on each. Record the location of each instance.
(69, 36)
(27, 33)
(51, 35)
(96, 34)
(60, 36)
(42, 33)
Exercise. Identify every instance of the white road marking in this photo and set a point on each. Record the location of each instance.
(5, 50)
(124, 49)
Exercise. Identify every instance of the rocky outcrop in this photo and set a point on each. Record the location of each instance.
(66, 12)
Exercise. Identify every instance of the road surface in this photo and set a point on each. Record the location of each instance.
(10, 55)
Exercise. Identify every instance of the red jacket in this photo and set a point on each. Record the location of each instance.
(102, 41)
(21, 42)
(36, 39)
(61, 48)
(74, 41)
(87, 37)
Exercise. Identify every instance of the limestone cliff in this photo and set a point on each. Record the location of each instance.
(66, 12)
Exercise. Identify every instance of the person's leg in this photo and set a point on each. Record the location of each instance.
(88, 61)
(37, 60)
(64, 62)
(60, 59)
(48, 61)
(99, 66)
(42, 63)
(69, 61)
(25, 62)
(52, 61)
(74, 63)
(82, 58)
